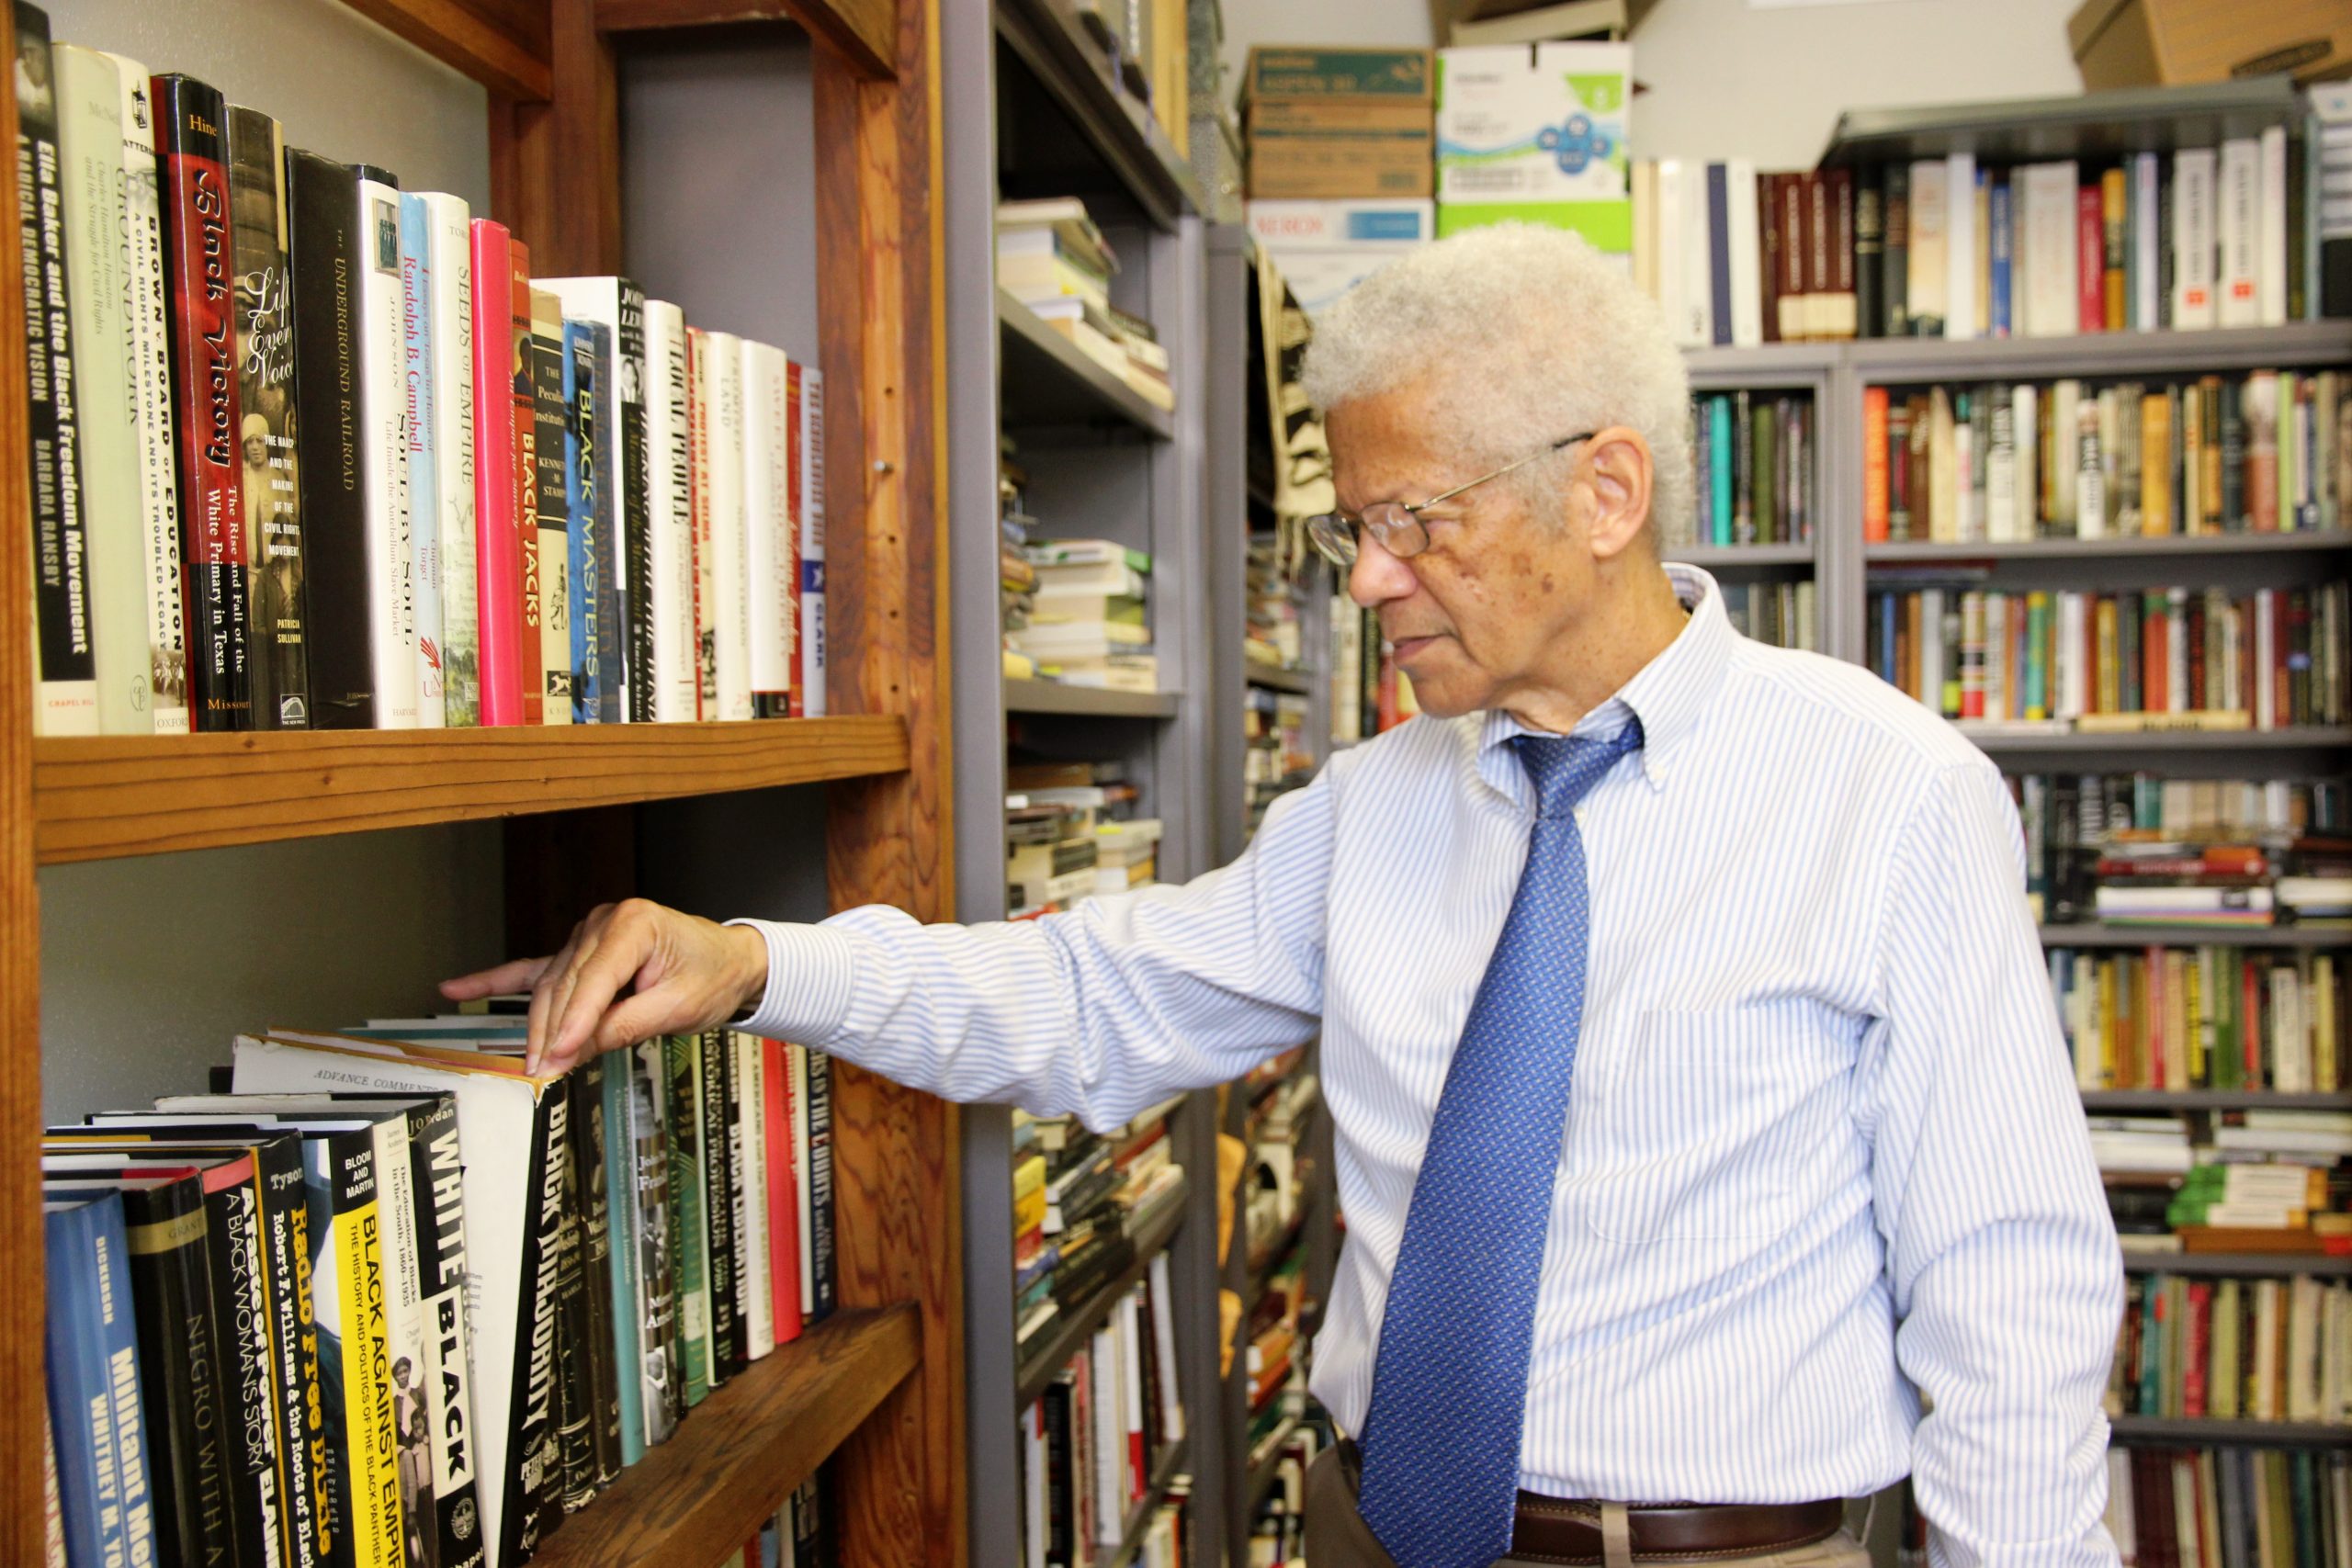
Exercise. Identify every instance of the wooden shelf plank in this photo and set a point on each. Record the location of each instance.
(740, 1453)
(2116, 1100)
(863, 30)
(2210, 1430)
(113, 796)
(1071, 1329)
(1048, 380)
(2098, 933)
(502, 44)
(1089, 702)
(2206, 1264)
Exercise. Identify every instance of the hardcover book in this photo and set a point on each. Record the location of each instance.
(419, 435)
(91, 1362)
(669, 514)
(552, 477)
(499, 604)
(379, 378)
(628, 635)
(588, 509)
(448, 246)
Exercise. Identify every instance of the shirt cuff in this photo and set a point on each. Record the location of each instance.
(812, 974)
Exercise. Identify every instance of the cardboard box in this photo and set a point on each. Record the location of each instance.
(1536, 135)
(2163, 43)
(1286, 226)
(1339, 165)
(1310, 70)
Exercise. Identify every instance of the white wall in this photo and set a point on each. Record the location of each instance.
(148, 965)
(1727, 79)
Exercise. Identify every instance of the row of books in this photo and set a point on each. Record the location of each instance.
(2070, 819)
(355, 467)
(1080, 1199)
(2141, 659)
(2229, 1508)
(1277, 755)
(2167, 1145)
(397, 1303)
(1091, 1441)
(1272, 610)
(1755, 463)
(2219, 236)
(1785, 615)
(2260, 453)
(1051, 257)
(2265, 1349)
(1071, 832)
(1278, 1527)
(2205, 1017)
(1085, 620)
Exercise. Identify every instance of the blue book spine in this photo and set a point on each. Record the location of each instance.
(1719, 466)
(2004, 247)
(611, 604)
(424, 511)
(583, 433)
(1719, 249)
(1890, 614)
(92, 1377)
(621, 1188)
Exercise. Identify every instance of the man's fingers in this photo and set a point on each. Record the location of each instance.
(514, 975)
(543, 1014)
(606, 963)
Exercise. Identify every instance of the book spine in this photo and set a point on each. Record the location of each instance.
(1747, 266)
(519, 374)
(2090, 264)
(731, 610)
(180, 1371)
(1870, 254)
(782, 1184)
(1961, 245)
(669, 514)
(349, 1269)
(749, 1119)
(810, 641)
(398, 1206)
(437, 1181)
(92, 1364)
(199, 264)
(499, 604)
(150, 372)
(633, 524)
(2114, 187)
(287, 1248)
(818, 1286)
(594, 1211)
(583, 434)
(88, 108)
(702, 391)
(626, 1314)
(718, 1151)
(532, 1496)
(1897, 267)
(269, 430)
(449, 255)
(574, 1483)
(384, 457)
(1840, 319)
(420, 431)
(241, 1310)
(690, 1259)
(340, 566)
(656, 1304)
(1718, 200)
(553, 479)
(769, 546)
(2239, 290)
(2004, 244)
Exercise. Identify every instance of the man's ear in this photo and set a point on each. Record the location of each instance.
(1618, 473)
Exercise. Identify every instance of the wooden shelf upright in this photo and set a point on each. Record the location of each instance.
(882, 1386)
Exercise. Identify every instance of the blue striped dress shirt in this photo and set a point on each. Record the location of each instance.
(1826, 1210)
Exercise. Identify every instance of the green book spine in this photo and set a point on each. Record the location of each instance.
(690, 1257)
(620, 1212)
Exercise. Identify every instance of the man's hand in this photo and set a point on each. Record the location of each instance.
(688, 974)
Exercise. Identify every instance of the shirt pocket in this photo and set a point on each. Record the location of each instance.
(1698, 1129)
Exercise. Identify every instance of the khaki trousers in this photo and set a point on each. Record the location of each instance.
(1337, 1536)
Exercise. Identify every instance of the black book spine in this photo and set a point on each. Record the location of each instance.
(68, 659)
(588, 1134)
(1870, 252)
(1061, 1476)
(241, 1310)
(534, 1502)
(820, 1183)
(440, 1183)
(718, 1205)
(268, 432)
(322, 203)
(658, 1326)
(180, 1371)
(555, 502)
(285, 1251)
(741, 1194)
(636, 509)
(1894, 291)
(575, 1429)
(199, 264)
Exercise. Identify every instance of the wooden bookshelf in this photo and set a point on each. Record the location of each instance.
(99, 797)
(700, 1495)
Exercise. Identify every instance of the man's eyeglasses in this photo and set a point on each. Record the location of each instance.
(1396, 525)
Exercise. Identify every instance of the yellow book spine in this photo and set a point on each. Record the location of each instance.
(371, 1452)
(2155, 464)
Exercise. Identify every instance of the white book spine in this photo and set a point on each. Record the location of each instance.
(1163, 1334)
(1932, 652)
(2064, 396)
(2272, 219)
(2072, 668)
(2090, 478)
(2147, 247)
(2001, 474)
(1110, 1439)
(796, 1057)
(1747, 270)
(159, 496)
(2241, 280)
(448, 232)
(730, 582)
(391, 589)
(2266, 658)
(2176, 652)
(2193, 305)
(1698, 281)
(420, 480)
(1672, 281)
(1929, 281)
(752, 1276)
(670, 513)
(1960, 247)
(2048, 226)
(770, 568)
(2025, 421)
(1968, 524)
(811, 454)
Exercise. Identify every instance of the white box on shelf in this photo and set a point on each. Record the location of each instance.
(1285, 226)
(1538, 136)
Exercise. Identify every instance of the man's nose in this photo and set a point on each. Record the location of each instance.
(1378, 576)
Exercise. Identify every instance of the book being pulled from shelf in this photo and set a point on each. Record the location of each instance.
(2228, 1504)
(2136, 661)
(2255, 1350)
(304, 456)
(1754, 471)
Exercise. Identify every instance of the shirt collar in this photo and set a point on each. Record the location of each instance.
(1668, 694)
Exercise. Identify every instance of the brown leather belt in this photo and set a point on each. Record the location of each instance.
(1560, 1530)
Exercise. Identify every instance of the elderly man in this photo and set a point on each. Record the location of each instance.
(1707, 1144)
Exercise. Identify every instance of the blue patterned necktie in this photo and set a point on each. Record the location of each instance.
(1449, 1392)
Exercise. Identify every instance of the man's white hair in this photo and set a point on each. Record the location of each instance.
(1518, 335)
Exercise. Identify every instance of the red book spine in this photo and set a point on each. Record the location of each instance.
(2250, 1027)
(788, 532)
(2200, 1347)
(2091, 259)
(200, 273)
(1875, 474)
(522, 397)
(2155, 657)
(784, 1193)
(497, 546)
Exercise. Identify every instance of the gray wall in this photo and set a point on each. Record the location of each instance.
(148, 965)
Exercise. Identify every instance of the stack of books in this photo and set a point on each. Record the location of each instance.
(1016, 579)
(1071, 832)
(2204, 1017)
(1086, 623)
(2223, 236)
(310, 451)
(2216, 1506)
(1051, 257)
(1276, 759)
(1270, 638)
(1126, 854)
(2141, 1146)
(2258, 453)
(2140, 661)
(389, 1286)
(1088, 1446)
(1080, 1198)
(1756, 466)
(2261, 1349)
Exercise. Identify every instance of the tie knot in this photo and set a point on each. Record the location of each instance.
(1564, 767)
